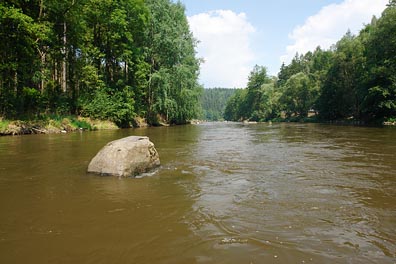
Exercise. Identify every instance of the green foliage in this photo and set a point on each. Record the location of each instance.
(115, 59)
(109, 105)
(258, 77)
(379, 100)
(108, 59)
(270, 106)
(80, 124)
(31, 100)
(286, 71)
(172, 88)
(235, 108)
(214, 102)
(340, 96)
(361, 82)
(54, 101)
(19, 38)
(4, 125)
(355, 80)
(259, 102)
(299, 95)
(63, 122)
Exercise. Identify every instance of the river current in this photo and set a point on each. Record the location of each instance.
(225, 193)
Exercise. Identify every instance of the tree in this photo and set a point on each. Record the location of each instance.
(286, 71)
(20, 38)
(172, 88)
(235, 108)
(270, 102)
(257, 78)
(112, 59)
(298, 95)
(380, 95)
(116, 59)
(340, 97)
(214, 102)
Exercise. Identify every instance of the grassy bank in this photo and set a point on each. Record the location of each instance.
(52, 124)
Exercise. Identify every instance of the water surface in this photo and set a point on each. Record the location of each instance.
(225, 193)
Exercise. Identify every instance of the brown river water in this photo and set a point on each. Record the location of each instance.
(225, 193)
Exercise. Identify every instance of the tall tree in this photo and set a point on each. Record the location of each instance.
(287, 71)
(380, 98)
(236, 106)
(172, 88)
(298, 95)
(21, 37)
(340, 97)
(257, 78)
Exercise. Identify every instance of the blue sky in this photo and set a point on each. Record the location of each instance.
(235, 35)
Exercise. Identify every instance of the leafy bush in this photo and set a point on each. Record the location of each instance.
(391, 120)
(81, 124)
(108, 104)
(31, 100)
(55, 101)
(4, 125)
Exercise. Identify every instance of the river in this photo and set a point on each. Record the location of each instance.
(225, 193)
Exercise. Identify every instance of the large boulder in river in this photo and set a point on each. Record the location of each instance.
(125, 157)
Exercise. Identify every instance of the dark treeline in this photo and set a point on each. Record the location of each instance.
(214, 102)
(106, 59)
(354, 80)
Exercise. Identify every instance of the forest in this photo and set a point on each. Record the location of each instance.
(355, 80)
(121, 60)
(105, 59)
(214, 102)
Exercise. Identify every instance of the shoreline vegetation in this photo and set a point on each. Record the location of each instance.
(53, 125)
(351, 82)
(103, 60)
(134, 63)
(60, 124)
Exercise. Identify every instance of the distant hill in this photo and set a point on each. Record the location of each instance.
(214, 101)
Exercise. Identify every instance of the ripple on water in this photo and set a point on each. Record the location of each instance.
(226, 193)
(305, 193)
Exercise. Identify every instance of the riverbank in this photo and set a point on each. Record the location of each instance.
(350, 121)
(53, 125)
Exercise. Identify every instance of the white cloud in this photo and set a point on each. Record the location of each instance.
(331, 23)
(224, 45)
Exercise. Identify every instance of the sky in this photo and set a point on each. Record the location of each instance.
(235, 35)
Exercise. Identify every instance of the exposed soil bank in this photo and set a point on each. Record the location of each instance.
(52, 125)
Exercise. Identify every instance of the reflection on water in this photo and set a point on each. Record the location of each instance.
(225, 193)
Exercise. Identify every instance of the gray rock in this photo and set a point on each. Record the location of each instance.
(125, 157)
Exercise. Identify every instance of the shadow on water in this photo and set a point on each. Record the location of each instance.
(225, 193)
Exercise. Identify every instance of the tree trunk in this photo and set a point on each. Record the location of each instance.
(42, 68)
(41, 9)
(15, 81)
(64, 53)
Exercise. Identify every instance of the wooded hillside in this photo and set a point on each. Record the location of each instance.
(106, 59)
(214, 102)
(354, 80)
